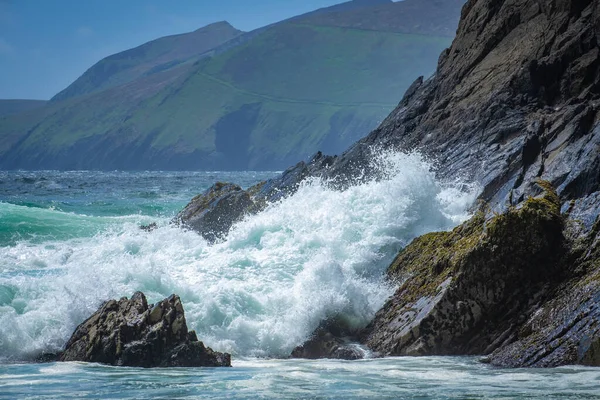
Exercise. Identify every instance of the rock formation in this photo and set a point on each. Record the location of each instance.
(213, 212)
(514, 106)
(334, 340)
(135, 334)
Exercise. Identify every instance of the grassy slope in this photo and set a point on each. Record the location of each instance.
(301, 87)
(149, 58)
(11, 107)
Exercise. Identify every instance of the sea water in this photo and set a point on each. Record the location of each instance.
(70, 240)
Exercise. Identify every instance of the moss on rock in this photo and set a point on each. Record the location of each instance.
(461, 292)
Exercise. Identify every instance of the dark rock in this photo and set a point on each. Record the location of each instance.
(47, 357)
(330, 340)
(463, 292)
(150, 227)
(213, 212)
(133, 333)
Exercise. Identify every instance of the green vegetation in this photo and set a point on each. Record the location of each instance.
(11, 107)
(268, 101)
(518, 244)
(149, 58)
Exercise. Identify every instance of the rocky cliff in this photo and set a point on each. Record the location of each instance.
(514, 106)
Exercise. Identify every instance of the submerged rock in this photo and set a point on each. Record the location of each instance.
(150, 227)
(129, 332)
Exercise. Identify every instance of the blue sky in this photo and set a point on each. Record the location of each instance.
(46, 44)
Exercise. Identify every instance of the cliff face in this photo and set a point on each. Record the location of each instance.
(515, 98)
(514, 106)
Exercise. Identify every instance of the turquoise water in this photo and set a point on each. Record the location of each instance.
(70, 240)
(409, 378)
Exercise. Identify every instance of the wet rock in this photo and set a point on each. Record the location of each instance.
(213, 213)
(330, 340)
(150, 227)
(465, 292)
(565, 327)
(129, 332)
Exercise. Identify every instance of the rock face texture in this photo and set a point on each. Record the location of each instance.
(331, 340)
(514, 99)
(464, 292)
(514, 105)
(213, 213)
(129, 332)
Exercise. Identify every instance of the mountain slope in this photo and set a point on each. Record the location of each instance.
(149, 58)
(273, 97)
(11, 107)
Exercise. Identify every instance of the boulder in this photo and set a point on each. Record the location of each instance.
(213, 213)
(330, 340)
(129, 332)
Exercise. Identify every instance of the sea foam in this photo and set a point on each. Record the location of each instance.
(318, 254)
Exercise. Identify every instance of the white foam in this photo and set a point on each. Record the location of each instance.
(316, 254)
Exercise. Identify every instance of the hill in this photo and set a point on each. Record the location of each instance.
(11, 107)
(148, 59)
(259, 101)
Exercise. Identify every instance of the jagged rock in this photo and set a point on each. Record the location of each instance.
(213, 212)
(330, 340)
(465, 291)
(565, 328)
(129, 332)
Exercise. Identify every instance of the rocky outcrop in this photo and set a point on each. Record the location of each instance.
(514, 102)
(129, 332)
(464, 292)
(331, 340)
(512, 286)
(213, 213)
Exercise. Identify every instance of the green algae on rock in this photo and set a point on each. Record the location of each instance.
(463, 292)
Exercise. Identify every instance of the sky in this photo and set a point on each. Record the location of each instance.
(46, 44)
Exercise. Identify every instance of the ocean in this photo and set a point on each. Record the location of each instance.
(71, 240)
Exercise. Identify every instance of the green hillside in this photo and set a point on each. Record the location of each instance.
(149, 58)
(275, 97)
(11, 107)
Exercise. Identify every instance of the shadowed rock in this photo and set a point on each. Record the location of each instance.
(213, 212)
(330, 340)
(135, 334)
(465, 291)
